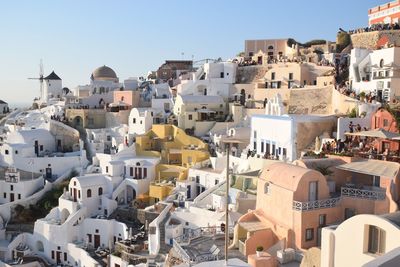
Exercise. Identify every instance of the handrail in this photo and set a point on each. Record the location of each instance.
(316, 204)
(363, 193)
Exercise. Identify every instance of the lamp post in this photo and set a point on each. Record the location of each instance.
(228, 148)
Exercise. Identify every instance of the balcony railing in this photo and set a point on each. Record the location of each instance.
(317, 204)
(373, 194)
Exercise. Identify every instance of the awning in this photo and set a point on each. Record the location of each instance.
(377, 133)
(372, 167)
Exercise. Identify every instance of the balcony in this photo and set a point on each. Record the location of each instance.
(372, 193)
(317, 204)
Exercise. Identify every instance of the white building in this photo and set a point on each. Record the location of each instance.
(140, 121)
(108, 140)
(133, 174)
(18, 185)
(199, 112)
(285, 137)
(373, 238)
(4, 109)
(376, 72)
(213, 79)
(103, 81)
(52, 151)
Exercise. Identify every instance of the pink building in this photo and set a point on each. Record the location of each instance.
(295, 202)
(131, 98)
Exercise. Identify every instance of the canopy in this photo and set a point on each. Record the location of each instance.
(377, 133)
(372, 167)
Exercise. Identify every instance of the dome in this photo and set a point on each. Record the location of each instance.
(104, 73)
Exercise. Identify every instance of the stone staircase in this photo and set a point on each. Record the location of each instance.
(164, 248)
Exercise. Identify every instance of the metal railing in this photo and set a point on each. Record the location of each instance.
(181, 252)
(317, 204)
(363, 193)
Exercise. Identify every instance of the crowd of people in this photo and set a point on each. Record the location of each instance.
(377, 27)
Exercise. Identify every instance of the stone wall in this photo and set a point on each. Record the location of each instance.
(376, 39)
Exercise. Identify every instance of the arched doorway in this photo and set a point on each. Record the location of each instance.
(130, 193)
(78, 122)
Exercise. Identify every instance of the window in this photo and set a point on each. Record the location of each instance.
(5, 195)
(221, 75)
(89, 238)
(216, 181)
(52, 254)
(376, 240)
(79, 193)
(270, 47)
(41, 147)
(100, 191)
(255, 145)
(385, 123)
(11, 187)
(6, 151)
(190, 117)
(255, 134)
(291, 76)
(19, 196)
(388, 85)
(134, 120)
(16, 151)
(284, 152)
(89, 193)
(381, 63)
(266, 188)
(322, 219)
(309, 234)
(262, 147)
(144, 172)
(197, 179)
(131, 171)
(141, 121)
(65, 256)
(106, 169)
(272, 75)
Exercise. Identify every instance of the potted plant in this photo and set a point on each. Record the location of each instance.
(259, 249)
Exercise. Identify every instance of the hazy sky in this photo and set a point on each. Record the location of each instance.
(76, 36)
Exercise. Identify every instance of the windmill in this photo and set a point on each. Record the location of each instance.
(40, 78)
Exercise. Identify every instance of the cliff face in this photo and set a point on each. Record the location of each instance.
(250, 74)
(376, 39)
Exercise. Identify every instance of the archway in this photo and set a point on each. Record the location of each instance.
(39, 246)
(78, 121)
(130, 193)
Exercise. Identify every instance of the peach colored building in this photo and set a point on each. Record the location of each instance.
(295, 75)
(385, 120)
(294, 202)
(131, 98)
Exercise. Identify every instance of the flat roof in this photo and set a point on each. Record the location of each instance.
(372, 167)
(253, 226)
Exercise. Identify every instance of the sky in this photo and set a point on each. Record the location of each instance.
(73, 37)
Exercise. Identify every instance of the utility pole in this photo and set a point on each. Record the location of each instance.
(228, 148)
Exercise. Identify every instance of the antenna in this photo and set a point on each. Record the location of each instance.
(40, 78)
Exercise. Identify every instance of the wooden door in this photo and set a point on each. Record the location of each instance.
(96, 241)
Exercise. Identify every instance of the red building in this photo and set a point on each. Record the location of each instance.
(385, 120)
(387, 13)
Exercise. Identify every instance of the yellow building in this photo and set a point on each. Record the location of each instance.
(178, 152)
